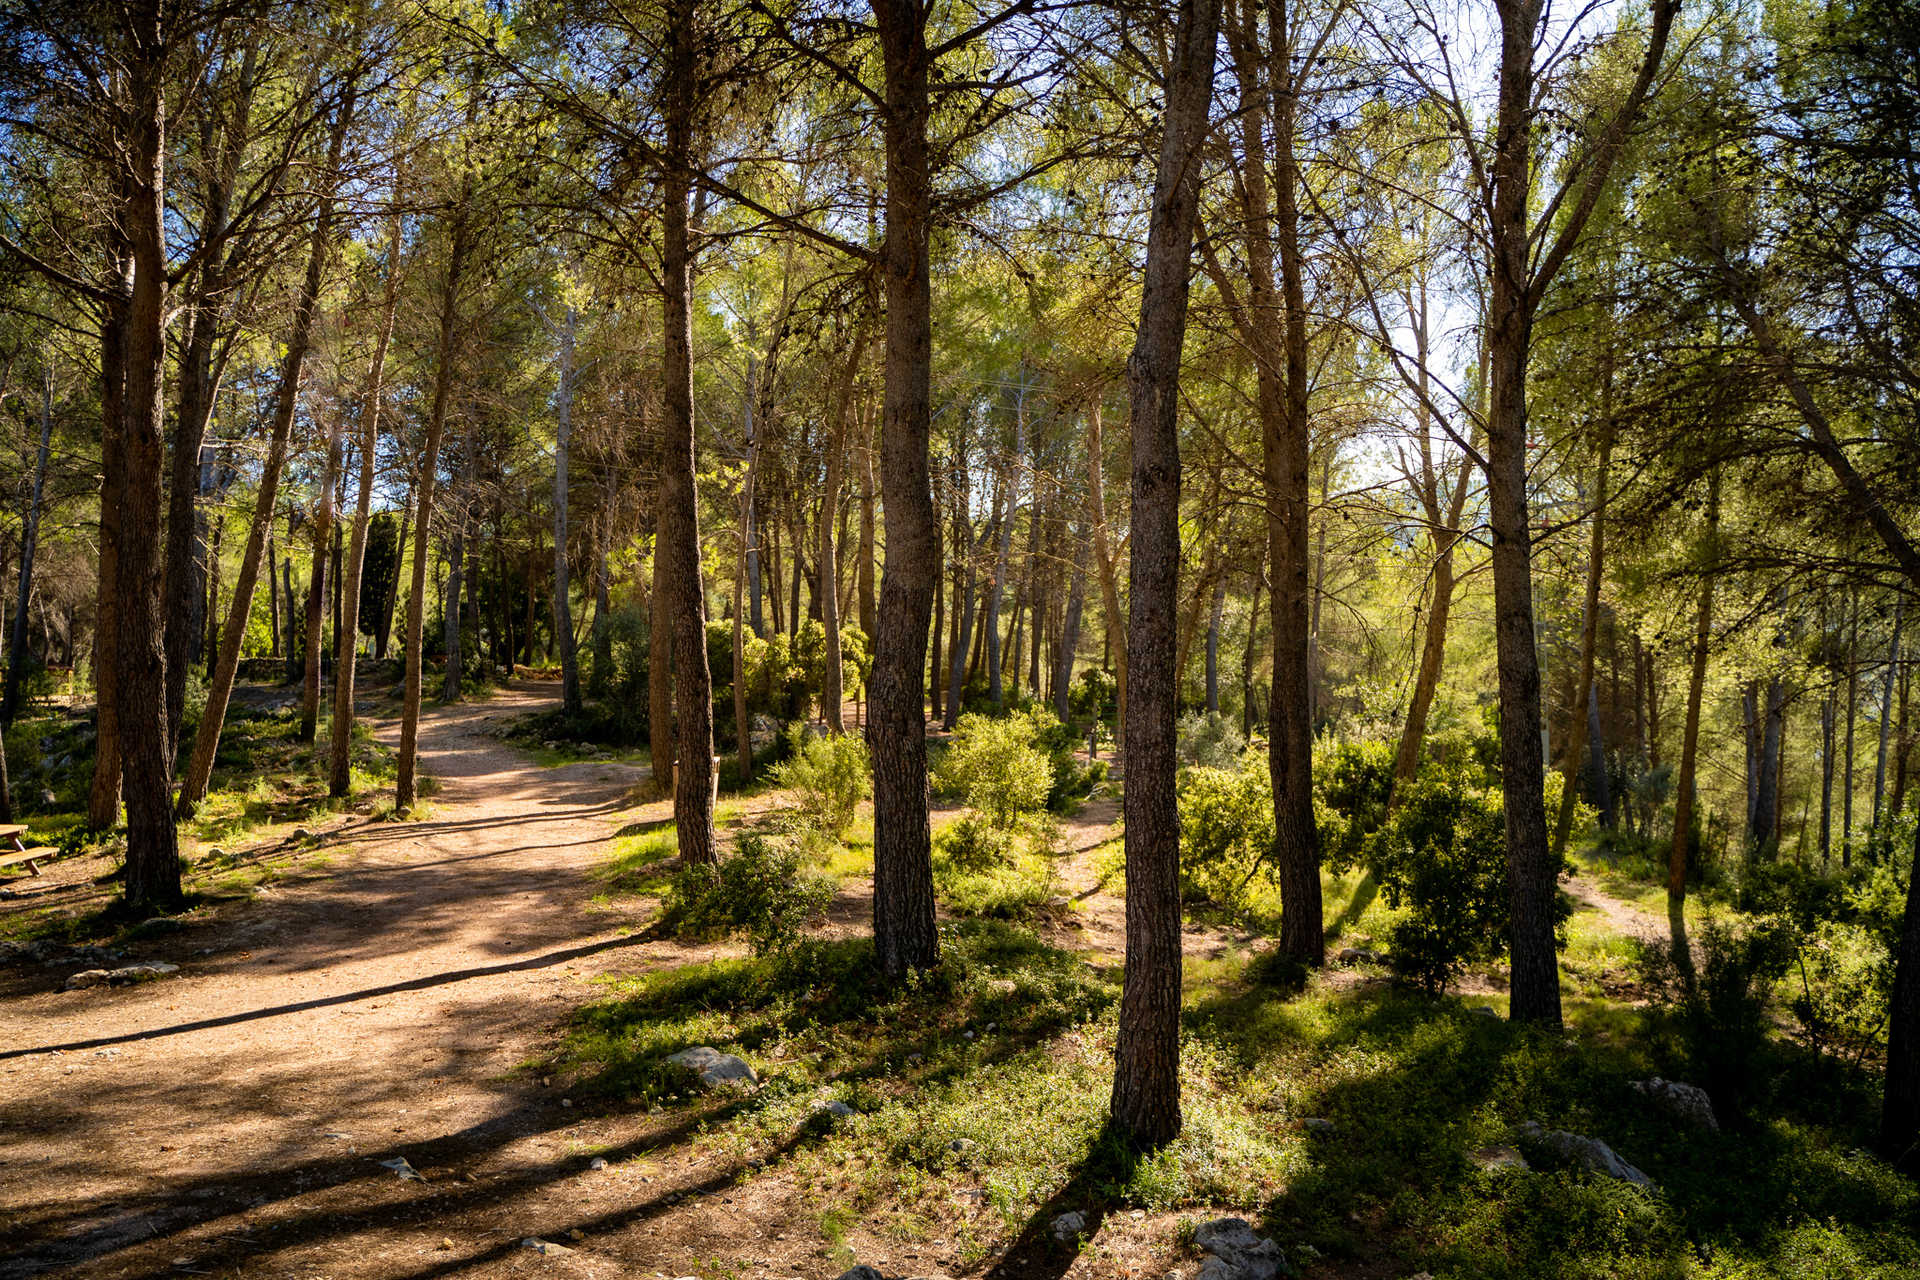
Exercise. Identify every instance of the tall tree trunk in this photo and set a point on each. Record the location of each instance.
(1886, 710)
(680, 515)
(742, 723)
(868, 494)
(426, 484)
(1104, 552)
(1686, 790)
(1011, 482)
(1213, 644)
(29, 544)
(146, 760)
(904, 934)
(323, 529)
(1251, 652)
(963, 609)
(103, 801)
(1070, 632)
(1826, 776)
(1583, 690)
(1531, 870)
(452, 642)
(1146, 1082)
(1853, 706)
(562, 445)
(273, 593)
(660, 659)
(206, 741)
(831, 691)
(602, 608)
(346, 636)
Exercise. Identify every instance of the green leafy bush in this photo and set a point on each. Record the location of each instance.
(996, 767)
(1443, 859)
(1226, 827)
(828, 777)
(764, 890)
(973, 844)
(1209, 740)
(1722, 1006)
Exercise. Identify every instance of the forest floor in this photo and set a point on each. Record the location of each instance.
(417, 992)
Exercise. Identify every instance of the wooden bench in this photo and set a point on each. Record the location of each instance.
(31, 857)
(19, 853)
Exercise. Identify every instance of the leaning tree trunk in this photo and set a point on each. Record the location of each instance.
(405, 789)
(563, 443)
(1685, 788)
(340, 762)
(206, 740)
(1146, 1082)
(904, 934)
(680, 515)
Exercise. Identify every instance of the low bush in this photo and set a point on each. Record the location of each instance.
(995, 765)
(1443, 859)
(828, 776)
(1208, 740)
(973, 844)
(765, 891)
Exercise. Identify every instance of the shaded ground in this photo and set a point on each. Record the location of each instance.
(381, 1002)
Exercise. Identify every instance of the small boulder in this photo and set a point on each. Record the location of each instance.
(861, 1272)
(1236, 1252)
(88, 978)
(1319, 1126)
(598, 1162)
(1687, 1103)
(1590, 1153)
(1068, 1226)
(145, 971)
(1357, 955)
(834, 1108)
(544, 1247)
(300, 836)
(713, 1067)
(1484, 1011)
(1501, 1160)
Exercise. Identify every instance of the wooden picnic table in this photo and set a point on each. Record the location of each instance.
(15, 851)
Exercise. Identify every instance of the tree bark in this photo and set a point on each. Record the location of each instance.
(153, 853)
(206, 741)
(562, 447)
(1583, 689)
(680, 515)
(347, 636)
(460, 246)
(903, 918)
(831, 690)
(1146, 1083)
(1070, 632)
(103, 801)
(1886, 711)
(1103, 551)
(323, 518)
(29, 544)
(1686, 788)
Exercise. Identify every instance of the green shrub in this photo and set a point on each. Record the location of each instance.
(995, 766)
(828, 776)
(1443, 858)
(1011, 889)
(973, 844)
(764, 890)
(1723, 1005)
(1226, 827)
(1208, 740)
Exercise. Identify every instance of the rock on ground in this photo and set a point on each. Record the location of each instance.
(1501, 1160)
(142, 972)
(1590, 1153)
(1236, 1252)
(1069, 1225)
(714, 1067)
(1685, 1102)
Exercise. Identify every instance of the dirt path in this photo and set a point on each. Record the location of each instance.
(374, 1002)
(1622, 917)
